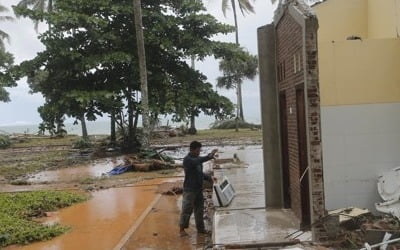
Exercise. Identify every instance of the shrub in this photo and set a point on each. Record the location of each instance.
(231, 124)
(82, 144)
(4, 141)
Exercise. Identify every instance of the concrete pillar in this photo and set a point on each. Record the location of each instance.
(270, 117)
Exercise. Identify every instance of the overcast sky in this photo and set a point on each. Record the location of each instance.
(24, 45)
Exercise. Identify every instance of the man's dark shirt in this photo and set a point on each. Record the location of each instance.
(194, 176)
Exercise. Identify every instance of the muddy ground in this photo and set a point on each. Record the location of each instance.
(43, 163)
(31, 161)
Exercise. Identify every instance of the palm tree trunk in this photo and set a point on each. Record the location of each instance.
(143, 71)
(240, 103)
(237, 108)
(236, 22)
(240, 114)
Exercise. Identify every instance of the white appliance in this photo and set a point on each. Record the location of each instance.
(224, 193)
(389, 190)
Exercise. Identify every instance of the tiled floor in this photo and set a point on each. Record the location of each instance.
(246, 220)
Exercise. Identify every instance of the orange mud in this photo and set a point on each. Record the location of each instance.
(159, 230)
(101, 222)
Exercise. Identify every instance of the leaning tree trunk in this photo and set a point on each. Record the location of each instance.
(143, 72)
(84, 128)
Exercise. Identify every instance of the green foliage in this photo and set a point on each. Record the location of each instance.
(4, 141)
(236, 67)
(153, 154)
(231, 124)
(6, 62)
(82, 143)
(17, 210)
(89, 67)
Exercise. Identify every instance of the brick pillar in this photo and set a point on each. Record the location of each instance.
(314, 128)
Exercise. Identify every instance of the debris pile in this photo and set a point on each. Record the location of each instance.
(358, 227)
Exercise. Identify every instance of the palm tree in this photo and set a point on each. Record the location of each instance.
(39, 5)
(245, 6)
(4, 35)
(235, 68)
(143, 72)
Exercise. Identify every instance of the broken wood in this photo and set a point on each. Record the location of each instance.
(261, 244)
(148, 165)
(170, 188)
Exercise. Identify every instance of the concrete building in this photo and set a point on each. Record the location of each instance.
(359, 61)
(330, 94)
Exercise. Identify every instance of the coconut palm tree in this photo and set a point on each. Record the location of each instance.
(235, 68)
(245, 6)
(4, 35)
(143, 72)
(40, 5)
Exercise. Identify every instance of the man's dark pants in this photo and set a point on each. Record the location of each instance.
(192, 202)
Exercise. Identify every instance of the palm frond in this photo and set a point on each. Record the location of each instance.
(40, 5)
(225, 6)
(26, 3)
(245, 6)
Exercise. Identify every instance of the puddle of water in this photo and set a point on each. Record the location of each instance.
(94, 169)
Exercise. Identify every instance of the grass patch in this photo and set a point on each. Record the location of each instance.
(35, 141)
(215, 135)
(12, 167)
(17, 211)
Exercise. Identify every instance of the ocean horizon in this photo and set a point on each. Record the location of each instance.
(102, 127)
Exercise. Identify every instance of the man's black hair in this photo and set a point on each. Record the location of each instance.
(195, 145)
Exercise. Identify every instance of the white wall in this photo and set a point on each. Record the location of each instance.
(359, 143)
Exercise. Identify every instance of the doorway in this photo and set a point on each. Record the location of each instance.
(284, 150)
(303, 159)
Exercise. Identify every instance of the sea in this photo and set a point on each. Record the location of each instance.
(103, 127)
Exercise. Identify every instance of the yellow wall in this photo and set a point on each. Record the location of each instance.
(383, 18)
(359, 72)
(339, 19)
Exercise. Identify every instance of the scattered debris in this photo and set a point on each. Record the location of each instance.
(227, 163)
(171, 188)
(361, 228)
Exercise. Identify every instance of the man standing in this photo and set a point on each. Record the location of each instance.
(193, 188)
